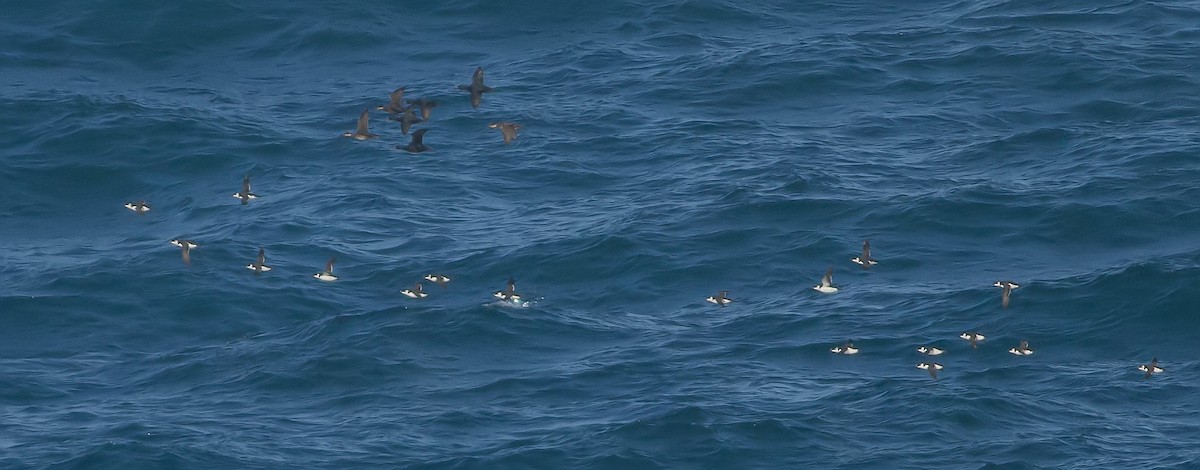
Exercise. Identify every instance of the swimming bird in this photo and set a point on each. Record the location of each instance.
(1006, 291)
(327, 274)
(510, 292)
(1151, 368)
(361, 132)
(930, 351)
(140, 207)
(416, 145)
(932, 367)
(721, 299)
(245, 195)
(826, 285)
(395, 102)
(438, 279)
(416, 292)
(865, 259)
(185, 246)
(507, 129)
(1022, 349)
(973, 337)
(407, 119)
(476, 88)
(424, 105)
(847, 348)
(260, 264)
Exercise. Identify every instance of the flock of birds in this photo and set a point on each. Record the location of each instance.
(406, 115)
(404, 112)
(866, 261)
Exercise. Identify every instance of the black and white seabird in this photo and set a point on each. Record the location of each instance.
(930, 351)
(140, 207)
(245, 195)
(865, 258)
(507, 129)
(1006, 288)
(361, 132)
(972, 337)
(721, 299)
(260, 264)
(826, 286)
(327, 274)
(185, 246)
(416, 145)
(1022, 349)
(438, 279)
(847, 348)
(476, 88)
(417, 292)
(509, 293)
(1151, 368)
(932, 367)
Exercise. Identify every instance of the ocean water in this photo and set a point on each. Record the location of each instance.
(669, 150)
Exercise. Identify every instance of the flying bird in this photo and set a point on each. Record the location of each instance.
(245, 195)
(361, 132)
(721, 299)
(260, 264)
(416, 145)
(476, 88)
(865, 259)
(507, 129)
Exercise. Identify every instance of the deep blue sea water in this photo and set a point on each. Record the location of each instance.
(669, 150)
